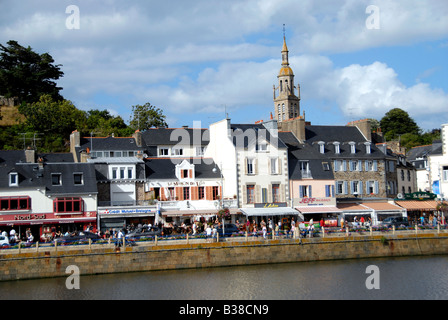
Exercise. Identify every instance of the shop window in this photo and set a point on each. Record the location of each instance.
(186, 191)
(15, 203)
(201, 193)
(68, 205)
(215, 193)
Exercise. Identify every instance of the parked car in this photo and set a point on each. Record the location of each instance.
(81, 236)
(4, 242)
(395, 221)
(144, 233)
(229, 228)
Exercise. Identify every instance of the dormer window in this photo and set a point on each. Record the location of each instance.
(56, 179)
(337, 147)
(352, 147)
(13, 179)
(368, 150)
(321, 147)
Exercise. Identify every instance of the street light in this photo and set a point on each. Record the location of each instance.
(215, 170)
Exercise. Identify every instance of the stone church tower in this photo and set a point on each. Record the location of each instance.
(287, 104)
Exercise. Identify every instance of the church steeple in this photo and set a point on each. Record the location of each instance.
(287, 104)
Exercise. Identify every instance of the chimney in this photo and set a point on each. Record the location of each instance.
(30, 155)
(137, 135)
(364, 127)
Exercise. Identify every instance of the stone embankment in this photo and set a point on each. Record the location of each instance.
(45, 262)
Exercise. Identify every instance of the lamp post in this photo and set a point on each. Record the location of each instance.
(215, 170)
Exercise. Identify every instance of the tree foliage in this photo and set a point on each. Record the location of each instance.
(26, 74)
(147, 116)
(397, 122)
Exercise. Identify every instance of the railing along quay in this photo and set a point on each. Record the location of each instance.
(23, 247)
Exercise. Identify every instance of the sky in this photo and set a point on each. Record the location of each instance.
(200, 60)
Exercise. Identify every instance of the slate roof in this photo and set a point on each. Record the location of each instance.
(304, 152)
(108, 143)
(164, 168)
(344, 135)
(33, 176)
(174, 136)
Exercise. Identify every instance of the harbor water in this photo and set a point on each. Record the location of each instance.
(396, 278)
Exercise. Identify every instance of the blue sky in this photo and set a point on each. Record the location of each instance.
(198, 59)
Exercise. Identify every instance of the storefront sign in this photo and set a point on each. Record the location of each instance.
(270, 205)
(131, 210)
(30, 217)
(315, 201)
(420, 196)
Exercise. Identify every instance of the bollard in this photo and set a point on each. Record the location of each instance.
(246, 237)
(56, 245)
(37, 246)
(20, 246)
(416, 229)
(90, 244)
(346, 231)
(438, 228)
(187, 238)
(371, 231)
(156, 240)
(393, 229)
(323, 232)
(124, 242)
(217, 237)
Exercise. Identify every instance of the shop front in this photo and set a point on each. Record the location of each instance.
(418, 208)
(276, 212)
(373, 212)
(124, 217)
(44, 226)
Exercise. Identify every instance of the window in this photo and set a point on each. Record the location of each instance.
(275, 193)
(356, 187)
(68, 205)
(15, 203)
(409, 175)
(337, 147)
(114, 173)
(215, 191)
(352, 147)
(250, 166)
(164, 152)
(341, 187)
(78, 179)
(186, 193)
(56, 179)
(340, 165)
(329, 190)
(262, 147)
(326, 166)
(445, 173)
(274, 165)
(305, 191)
(184, 173)
(122, 171)
(200, 151)
(177, 152)
(372, 187)
(371, 165)
(368, 149)
(13, 179)
(250, 190)
(201, 193)
(402, 175)
(321, 147)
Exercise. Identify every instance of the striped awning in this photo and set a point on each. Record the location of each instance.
(414, 205)
(318, 209)
(268, 212)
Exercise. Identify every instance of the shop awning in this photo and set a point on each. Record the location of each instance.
(47, 221)
(269, 212)
(382, 206)
(353, 208)
(318, 209)
(414, 205)
(179, 213)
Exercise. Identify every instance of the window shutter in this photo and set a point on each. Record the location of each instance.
(282, 193)
(194, 193)
(360, 188)
(332, 191)
(375, 165)
(376, 187)
(336, 165)
(345, 187)
(344, 165)
(257, 194)
(359, 165)
(311, 193)
(179, 193)
(244, 194)
(301, 191)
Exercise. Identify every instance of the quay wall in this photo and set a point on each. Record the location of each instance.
(98, 259)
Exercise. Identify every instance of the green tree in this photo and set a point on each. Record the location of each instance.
(147, 116)
(54, 120)
(397, 122)
(26, 74)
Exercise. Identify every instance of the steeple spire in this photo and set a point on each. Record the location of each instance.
(285, 60)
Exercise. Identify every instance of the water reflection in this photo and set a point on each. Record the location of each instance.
(400, 278)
